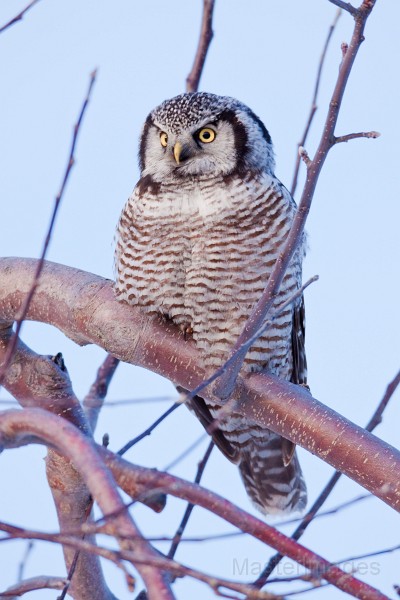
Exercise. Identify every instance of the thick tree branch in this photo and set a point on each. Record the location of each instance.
(35, 425)
(308, 518)
(126, 473)
(83, 306)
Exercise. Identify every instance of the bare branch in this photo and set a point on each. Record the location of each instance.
(126, 473)
(375, 420)
(24, 560)
(345, 6)
(93, 401)
(38, 381)
(149, 430)
(86, 310)
(39, 266)
(263, 306)
(176, 569)
(314, 106)
(206, 35)
(353, 136)
(29, 585)
(19, 16)
(35, 425)
(180, 531)
(303, 155)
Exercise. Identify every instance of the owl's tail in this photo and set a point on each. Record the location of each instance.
(273, 481)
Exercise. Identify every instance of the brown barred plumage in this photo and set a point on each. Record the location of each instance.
(196, 242)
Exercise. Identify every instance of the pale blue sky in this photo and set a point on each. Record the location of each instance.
(266, 54)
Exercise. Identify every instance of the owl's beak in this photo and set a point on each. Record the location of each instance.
(181, 152)
(177, 152)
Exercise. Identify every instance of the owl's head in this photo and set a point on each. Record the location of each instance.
(203, 134)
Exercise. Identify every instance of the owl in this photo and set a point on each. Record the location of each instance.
(196, 243)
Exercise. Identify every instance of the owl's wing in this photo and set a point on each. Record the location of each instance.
(200, 409)
(299, 373)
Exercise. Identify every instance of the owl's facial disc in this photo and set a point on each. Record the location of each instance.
(205, 150)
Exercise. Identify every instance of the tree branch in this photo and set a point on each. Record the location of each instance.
(206, 35)
(345, 6)
(314, 106)
(71, 160)
(29, 585)
(180, 531)
(126, 473)
(353, 136)
(94, 399)
(84, 307)
(263, 306)
(375, 420)
(19, 16)
(35, 425)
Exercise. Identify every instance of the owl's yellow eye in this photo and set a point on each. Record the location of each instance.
(163, 139)
(206, 135)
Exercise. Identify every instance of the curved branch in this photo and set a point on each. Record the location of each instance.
(127, 474)
(34, 583)
(36, 425)
(83, 306)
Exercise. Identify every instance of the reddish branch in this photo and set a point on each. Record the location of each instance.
(41, 381)
(83, 306)
(35, 425)
(218, 585)
(34, 283)
(226, 383)
(94, 400)
(125, 474)
(19, 16)
(375, 420)
(32, 584)
(206, 35)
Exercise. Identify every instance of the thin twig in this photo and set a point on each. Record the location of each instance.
(19, 16)
(353, 136)
(314, 106)
(24, 560)
(149, 430)
(345, 6)
(263, 306)
(185, 453)
(375, 420)
(93, 401)
(71, 160)
(179, 533)
(206, 35)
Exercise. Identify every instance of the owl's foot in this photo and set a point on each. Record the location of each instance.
(187, 330)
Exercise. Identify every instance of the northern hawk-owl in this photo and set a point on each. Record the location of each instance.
(196, 242)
